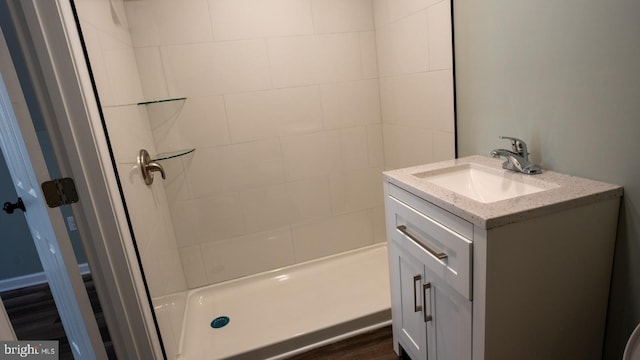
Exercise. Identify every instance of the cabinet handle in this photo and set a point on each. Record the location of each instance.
(439, 255)
(416, 307)
(426, 286)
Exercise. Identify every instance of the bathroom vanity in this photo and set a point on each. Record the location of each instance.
(487, 263)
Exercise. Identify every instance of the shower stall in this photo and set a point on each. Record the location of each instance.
(272, 121)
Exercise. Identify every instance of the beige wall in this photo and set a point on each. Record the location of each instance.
(564, 77)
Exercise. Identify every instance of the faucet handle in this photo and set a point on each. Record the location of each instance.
(518, 146)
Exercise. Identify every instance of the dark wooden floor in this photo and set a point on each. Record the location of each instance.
(34, 316)
(375, 345)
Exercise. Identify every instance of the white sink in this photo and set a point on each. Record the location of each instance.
(484, 184)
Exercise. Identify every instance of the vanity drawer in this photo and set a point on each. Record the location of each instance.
(445, 252)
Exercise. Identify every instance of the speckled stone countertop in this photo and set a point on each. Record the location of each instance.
(567, 192)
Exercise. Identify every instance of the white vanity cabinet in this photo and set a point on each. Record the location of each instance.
(525, 278)
(430, 266)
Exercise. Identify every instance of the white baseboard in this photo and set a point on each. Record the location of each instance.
(32, 279)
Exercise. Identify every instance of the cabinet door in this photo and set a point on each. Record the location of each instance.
(449, 330)
(412, 328)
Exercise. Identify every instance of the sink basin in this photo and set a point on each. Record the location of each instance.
(484, 184)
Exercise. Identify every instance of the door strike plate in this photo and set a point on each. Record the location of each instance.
(59, 192)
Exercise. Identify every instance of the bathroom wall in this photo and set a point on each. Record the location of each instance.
(564, 77)
(283, 111)
(283, 108)
(111, 54)
(416, 81)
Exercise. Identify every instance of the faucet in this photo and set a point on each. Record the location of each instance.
(517, 157)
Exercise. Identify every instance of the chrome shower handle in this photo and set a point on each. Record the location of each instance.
(147, 167)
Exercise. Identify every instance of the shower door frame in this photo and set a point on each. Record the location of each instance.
(50, 42)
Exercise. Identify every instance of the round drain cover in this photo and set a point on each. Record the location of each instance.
(220, 321)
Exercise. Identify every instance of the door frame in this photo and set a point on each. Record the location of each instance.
(57, 69)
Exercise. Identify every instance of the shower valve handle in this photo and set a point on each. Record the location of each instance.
(147, 167)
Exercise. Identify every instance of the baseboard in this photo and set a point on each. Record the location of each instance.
(32, 279)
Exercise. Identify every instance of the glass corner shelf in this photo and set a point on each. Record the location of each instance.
(161, 101)
(172, 154)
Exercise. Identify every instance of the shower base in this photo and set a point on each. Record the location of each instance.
(288, 311)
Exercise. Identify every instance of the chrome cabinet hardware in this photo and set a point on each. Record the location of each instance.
(438, 255)
(425, 286)
(416, 307)
(147, 167)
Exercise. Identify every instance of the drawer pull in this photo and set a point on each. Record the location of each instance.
(416, 307)
(426, 286)
(439, 255)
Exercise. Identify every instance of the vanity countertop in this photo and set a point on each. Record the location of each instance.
(571, 191)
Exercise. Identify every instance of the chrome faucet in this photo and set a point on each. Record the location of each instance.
(517, 157)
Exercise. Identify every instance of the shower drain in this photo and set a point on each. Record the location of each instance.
(219, 322)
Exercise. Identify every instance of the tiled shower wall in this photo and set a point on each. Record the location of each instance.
(415, 64)
(284, 110)
(105, 30)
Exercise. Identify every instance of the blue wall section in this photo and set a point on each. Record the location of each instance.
(565, 77)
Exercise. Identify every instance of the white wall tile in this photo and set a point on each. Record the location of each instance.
(308, 60)
(403, 46)
(380, 13)
(264, 114)
(149, 63)
(320, 154)
(331, 236)
(407, 146)
(216, 68)
(351, 103)
(368, 55)
(154, 234)
(354, 148)
(98, 65)
(376, 145)
(423, 100)
(440, 36)
(106, 32)
(205, 171)
(175, 185)
(165, 22)
(193, 265)
(247, 19)
(196, 122)
(311, 155)
(256, 163)
(444, 145)
(207, 219)
(122, 70)
(266, 159)
(267, 208)
(241, 256)
(235, 167)
(401, 8)
(356, 190)
(129, 131)
(310, 198)
(173, 276)
(379, 224)
(333, 16)
(108, 17)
